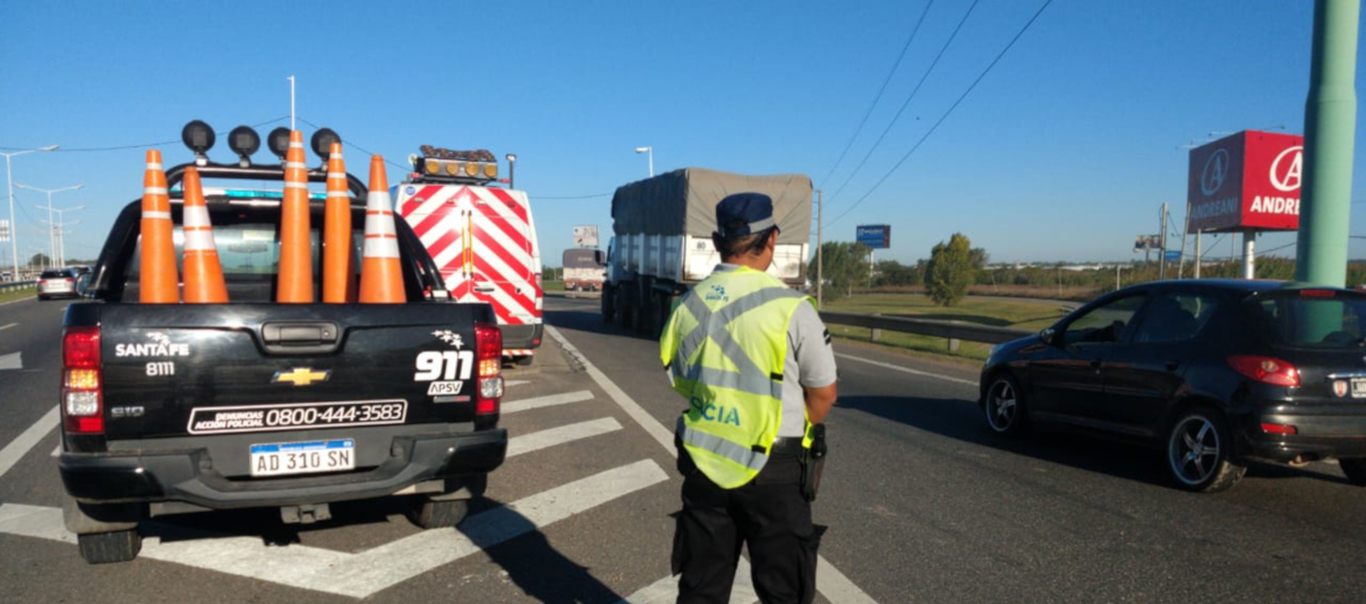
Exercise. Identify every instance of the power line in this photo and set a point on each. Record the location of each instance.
(878, 96)
(575, 196)
(405, 169)
(140, 145)
(946, 113)
(905, 104)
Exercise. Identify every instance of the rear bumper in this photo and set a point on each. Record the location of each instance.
(189, 475)
(522, 337)
(1338, 431)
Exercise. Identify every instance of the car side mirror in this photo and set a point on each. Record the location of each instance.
(1047, 335)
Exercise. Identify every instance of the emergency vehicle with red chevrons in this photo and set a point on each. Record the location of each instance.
(482, 237)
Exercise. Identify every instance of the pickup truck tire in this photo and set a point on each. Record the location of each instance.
(526, 360)
(105, 548)
(430, 514)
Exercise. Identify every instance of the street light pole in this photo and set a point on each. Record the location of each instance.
(650, 152)
(60, 230)
(512, 170)
(13, 225)
(51, 236)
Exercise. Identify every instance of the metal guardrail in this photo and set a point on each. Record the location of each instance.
(953, 331)
(13, 285)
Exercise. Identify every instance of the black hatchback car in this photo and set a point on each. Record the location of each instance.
(1214, 372)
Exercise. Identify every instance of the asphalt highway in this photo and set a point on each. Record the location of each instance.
(920, 501)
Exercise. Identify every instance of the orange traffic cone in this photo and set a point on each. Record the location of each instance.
(381, 278)
(339, 283)
(203, 273)
(159, 283)
(296, 251)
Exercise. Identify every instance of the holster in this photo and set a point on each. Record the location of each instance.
(813, 463)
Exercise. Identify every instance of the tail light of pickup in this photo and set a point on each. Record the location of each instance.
(82, 392)
(489, 356)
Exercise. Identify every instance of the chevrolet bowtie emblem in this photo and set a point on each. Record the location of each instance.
(301, 376)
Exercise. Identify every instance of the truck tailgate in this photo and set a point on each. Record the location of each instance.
(180, 370)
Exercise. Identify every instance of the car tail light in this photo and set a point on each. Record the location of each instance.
(1318, 293)
(1279, 428)
(1267, 370)
(82, 394)
(489, 355)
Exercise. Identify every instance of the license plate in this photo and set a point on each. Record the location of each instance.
(281, 459)
(1358, 387)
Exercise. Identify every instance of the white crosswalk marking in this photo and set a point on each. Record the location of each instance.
(665, 591)
(13, 360)
(546, 401)
(12, 452)
(360, 575)
(830, 582)
(554, 436)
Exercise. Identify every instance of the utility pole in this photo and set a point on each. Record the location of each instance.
(1185, 232)
(1196, 270)
(820, 245)
(1329, 133)
(1162, 255)
(1250, 254)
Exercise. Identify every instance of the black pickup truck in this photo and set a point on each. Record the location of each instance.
(177, 408)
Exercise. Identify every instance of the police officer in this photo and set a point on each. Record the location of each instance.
(754, 362)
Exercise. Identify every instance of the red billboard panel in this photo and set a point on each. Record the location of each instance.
(1250, 180)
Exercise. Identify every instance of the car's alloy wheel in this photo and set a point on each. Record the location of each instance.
(1004, 406)
(1198, 453)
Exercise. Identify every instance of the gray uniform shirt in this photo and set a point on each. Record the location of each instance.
(810, 363)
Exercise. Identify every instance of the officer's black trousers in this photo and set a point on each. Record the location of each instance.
(769, 514)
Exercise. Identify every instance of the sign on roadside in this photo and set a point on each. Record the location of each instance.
(874, 236)
(1249, 180)
(586, 235)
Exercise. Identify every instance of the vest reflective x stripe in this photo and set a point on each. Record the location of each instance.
(724, 346)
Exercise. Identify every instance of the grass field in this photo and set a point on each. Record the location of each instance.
(15, 294)
(1016, 314)
(552, 286)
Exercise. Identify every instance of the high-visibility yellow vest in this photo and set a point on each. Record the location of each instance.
(724, 346)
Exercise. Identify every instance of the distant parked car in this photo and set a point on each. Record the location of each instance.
(1214, 372)
(57, 282)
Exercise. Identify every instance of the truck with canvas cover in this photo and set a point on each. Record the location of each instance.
(583, 270)
(482, 236)
(172, 407)
(661, 238)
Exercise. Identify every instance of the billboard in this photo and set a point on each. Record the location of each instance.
(1249, 180)
(875, 236)
(1147, 242)
(586, 235)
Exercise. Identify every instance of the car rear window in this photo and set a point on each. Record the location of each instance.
(1322, 319)
(54, 274)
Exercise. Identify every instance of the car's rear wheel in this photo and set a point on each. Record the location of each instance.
(105, 548)
(1355, 469)
(430, 514)
(1004, 406)
(1198, 452)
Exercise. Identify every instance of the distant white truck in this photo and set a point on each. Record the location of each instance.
(583, 270)
(661, 243)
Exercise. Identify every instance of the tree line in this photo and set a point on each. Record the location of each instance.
(955, 267)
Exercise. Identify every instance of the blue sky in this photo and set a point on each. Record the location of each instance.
(1064, 151)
